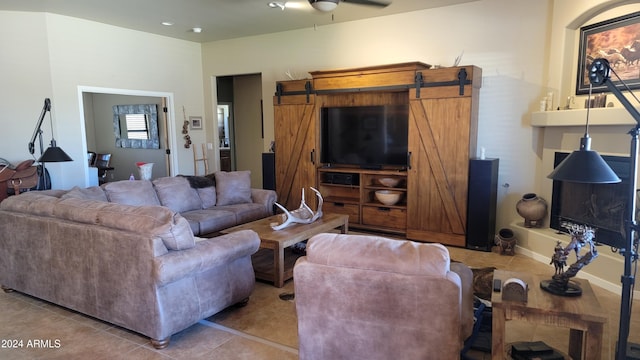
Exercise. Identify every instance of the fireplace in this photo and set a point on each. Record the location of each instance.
(603, 207)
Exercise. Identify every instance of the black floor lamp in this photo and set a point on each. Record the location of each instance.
(53, 152)
(586, 166)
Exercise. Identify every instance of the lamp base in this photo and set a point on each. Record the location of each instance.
(560, 288)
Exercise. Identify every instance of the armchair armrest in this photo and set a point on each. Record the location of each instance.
(466, 304)
(207, 254)
(264, 197)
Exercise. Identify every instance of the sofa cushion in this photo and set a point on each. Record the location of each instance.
(233, 187)
(206, 188)
(207, 196)
(90, 193)
(131, 192)
(246, 212)
(159, 221)
(208, 221)
(31, 202)
(176, 194)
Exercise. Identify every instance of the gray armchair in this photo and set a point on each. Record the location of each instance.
(368, 297)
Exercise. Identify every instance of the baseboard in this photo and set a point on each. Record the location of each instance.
(538, 244)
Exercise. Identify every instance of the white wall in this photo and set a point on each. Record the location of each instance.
(47, 55)
(26, 81)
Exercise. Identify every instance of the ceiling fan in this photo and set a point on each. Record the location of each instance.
(330, 5)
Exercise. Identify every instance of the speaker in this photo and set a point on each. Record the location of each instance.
(481, 203)
(269, 171)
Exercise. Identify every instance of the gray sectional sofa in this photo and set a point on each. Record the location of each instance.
(209, 203)
(114, 253)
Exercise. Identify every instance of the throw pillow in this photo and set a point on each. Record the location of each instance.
(131, 192)
(206, 188)
(233, 187)
(90, 193)
(207, 196)
(177, 194)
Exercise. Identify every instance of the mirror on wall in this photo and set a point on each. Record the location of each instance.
(136, 126)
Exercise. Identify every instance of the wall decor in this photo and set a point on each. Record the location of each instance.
(618, 41)
(196, 122)
(139, 132)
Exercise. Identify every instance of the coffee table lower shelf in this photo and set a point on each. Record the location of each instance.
(263, 264)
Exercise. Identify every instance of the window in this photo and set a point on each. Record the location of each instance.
(136, 126)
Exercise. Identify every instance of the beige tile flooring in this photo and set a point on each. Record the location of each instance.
(264, 329)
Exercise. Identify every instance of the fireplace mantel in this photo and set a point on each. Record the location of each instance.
(577, 117)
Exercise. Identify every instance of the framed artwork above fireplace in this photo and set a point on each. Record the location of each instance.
(618, 41)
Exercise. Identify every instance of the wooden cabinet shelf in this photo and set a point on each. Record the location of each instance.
(359, 201)
(340, 200)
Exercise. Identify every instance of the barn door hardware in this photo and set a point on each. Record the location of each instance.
(308, 90)
(461, 82)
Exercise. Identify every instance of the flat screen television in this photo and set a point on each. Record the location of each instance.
(366, 136)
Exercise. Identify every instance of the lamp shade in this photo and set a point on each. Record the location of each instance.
(584, 166)
(54, 154)
(324, 5)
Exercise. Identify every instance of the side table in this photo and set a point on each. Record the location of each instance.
(583, 315)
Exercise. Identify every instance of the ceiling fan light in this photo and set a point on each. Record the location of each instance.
(277, 4)
(324, 5)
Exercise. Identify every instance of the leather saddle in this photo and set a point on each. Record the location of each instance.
(22, 177)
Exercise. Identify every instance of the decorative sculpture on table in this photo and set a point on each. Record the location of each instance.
(581, 236)
(302, 215)
(559, 258)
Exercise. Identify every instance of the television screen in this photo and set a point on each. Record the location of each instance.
(367, 136)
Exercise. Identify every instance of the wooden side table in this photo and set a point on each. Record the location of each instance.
(583, 315)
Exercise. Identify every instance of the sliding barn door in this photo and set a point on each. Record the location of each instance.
(295, 149)
(442, 137)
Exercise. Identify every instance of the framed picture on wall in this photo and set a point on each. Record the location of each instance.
(196, 122)
(618, 41)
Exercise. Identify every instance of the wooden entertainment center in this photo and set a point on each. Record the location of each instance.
(442, 131)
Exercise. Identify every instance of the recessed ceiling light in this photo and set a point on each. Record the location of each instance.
(197, 30)
(167, 23)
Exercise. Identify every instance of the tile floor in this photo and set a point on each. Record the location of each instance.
(264, 329)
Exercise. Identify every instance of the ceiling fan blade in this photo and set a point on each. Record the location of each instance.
(369, 2)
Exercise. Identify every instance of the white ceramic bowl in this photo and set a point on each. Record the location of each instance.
(389, 182)
(388, 197)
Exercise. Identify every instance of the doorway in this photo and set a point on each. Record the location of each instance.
(97, 105)
(243, 96)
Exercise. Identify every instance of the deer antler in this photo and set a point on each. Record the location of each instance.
(302, 215)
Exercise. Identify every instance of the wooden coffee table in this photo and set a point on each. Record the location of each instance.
(583, 315)
(279, 240)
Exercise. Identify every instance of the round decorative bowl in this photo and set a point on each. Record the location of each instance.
(389, 182)
(388, 197)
